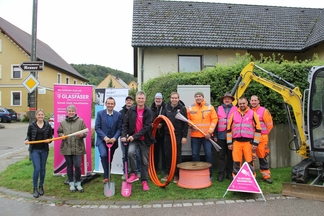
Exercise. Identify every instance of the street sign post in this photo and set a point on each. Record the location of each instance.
(32, 66)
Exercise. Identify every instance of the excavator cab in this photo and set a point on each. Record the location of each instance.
(315, 113)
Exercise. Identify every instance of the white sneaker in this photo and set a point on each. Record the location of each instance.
(123, 177)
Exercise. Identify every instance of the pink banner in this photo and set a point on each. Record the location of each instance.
(81, 97)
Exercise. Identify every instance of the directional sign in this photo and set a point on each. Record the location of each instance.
(31, 83)
(32, 66)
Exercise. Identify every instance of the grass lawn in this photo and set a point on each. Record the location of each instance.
(19, 177)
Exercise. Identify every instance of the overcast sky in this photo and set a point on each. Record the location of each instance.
(98, 31)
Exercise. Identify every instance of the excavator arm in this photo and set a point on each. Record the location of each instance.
(291, 95)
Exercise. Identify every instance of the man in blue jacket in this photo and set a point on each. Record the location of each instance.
(108, 127)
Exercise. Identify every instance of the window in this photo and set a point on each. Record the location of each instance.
(74, 82)
(16, 72)
(58, 78)
(189, 63)
(16, 98)
(67, 80)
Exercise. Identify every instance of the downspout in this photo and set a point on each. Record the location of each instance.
(142, 69)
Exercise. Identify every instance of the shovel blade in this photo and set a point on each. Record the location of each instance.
(126, 190)
(109, 189)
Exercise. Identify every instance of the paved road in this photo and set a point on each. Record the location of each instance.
(12, 149)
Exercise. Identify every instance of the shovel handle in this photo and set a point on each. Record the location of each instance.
(109, 145)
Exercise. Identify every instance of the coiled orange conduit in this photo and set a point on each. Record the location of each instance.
(152, 171)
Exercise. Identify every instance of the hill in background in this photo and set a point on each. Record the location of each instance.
(97, 73)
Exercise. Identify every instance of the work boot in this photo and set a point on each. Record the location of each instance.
(268, 180)
(41, 190)
(36, 194)
(72, 187)
(220, 178)
(78, 187)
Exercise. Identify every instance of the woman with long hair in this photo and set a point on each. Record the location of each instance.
(39, 130)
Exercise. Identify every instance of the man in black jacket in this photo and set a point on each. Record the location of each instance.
(129, 101)
(157, 108)
(180, 129)
(137, 130)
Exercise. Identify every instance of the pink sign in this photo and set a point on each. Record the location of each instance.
(244, 181)
(81, 97)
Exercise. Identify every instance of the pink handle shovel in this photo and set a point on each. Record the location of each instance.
(126, 189)
(109, 188)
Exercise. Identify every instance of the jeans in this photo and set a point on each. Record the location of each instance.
(138, 158)
(73, 160)
(208, 148)
(144, 151)
(39, 158)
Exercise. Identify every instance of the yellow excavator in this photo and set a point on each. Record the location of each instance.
(309, 141)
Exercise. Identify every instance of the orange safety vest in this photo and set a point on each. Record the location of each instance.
(204, 116)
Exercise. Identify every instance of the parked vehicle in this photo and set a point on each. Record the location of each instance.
(51, 122)
(7, 115)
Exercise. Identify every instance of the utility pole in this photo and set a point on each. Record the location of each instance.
(33, 95)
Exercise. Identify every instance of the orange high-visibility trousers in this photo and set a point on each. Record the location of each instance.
(262, 152)
(240, 150)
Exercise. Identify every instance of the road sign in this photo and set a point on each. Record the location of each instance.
(32, 66)
(31, 83)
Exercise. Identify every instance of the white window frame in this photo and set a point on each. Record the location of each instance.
(59, 78)
(0, 45)
(11, 98)
(74, 82)
(186, 59)
(67, 80)
(0, 71)
(12, 71)
(0, 99)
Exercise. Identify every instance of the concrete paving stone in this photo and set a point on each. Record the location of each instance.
(127, 202)
(114, 206)
(187, 204)
(229, 201)
(147, 206)
(157, 205)
(250, 200)
(209, 203)
(94, 206)
(198, 203)
(85, 206)
(177, 205)
(167, 205)
(76, 206)
(125, 206)
(105, 202)
(136, 206)
(240, 201)
(103, 206)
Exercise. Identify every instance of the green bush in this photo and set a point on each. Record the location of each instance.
(223, 77)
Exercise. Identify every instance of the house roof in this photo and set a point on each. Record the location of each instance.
(121, 82)
(225, 26)
(43, 51)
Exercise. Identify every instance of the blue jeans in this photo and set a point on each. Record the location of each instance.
(208, 148)
(133, 147)
(39, 158)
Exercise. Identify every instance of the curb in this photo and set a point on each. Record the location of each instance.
(46, 200)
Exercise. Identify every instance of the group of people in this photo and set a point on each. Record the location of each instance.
(239, 131)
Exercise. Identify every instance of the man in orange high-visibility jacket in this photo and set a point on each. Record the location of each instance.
(243, 135)
(263, 149)
(204, 116)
